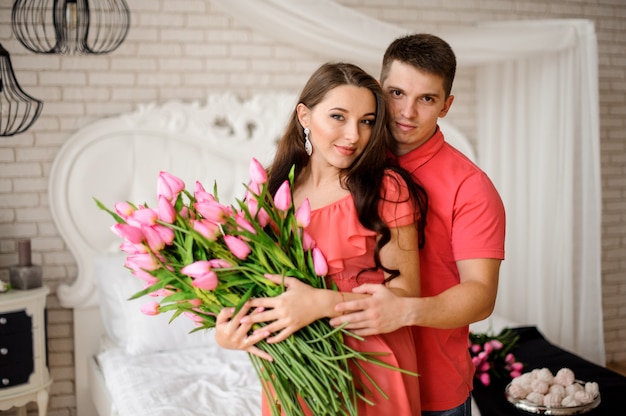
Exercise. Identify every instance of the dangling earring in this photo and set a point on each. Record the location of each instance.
(308, 147)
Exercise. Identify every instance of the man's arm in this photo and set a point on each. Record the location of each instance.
(470, 301)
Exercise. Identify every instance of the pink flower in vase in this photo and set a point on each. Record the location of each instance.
(485, 379)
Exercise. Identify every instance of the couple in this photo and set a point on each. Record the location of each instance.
(410, 290)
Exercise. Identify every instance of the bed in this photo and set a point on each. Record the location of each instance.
(118, 351)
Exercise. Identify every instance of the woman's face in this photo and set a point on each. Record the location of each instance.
(341, 125)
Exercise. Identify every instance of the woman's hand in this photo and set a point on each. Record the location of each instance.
(231, 332)
(288, 312)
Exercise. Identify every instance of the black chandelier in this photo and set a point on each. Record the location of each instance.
(18, 110)
(71, 26)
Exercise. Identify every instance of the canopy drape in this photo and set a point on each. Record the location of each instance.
(537, 138)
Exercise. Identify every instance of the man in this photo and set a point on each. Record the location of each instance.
(465, 228)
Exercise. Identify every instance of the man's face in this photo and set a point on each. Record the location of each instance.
(415, 101)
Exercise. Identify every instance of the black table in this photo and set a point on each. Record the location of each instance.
(536, 352)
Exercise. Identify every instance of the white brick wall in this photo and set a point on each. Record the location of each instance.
(183, 49)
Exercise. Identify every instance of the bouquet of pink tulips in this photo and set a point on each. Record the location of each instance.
(491, 355)
(198, 256)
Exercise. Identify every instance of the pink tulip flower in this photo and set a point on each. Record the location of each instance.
(124, 209)
(514, 374)
(475, 348)
(169, 185)
(187, 214)
(131, 248)
(212, 211)
(488, 347)
(238, 247)
(262, 217)
(145, 276)
(153, 238)
(142, 262)
(163, 292)
(244, 224)
(207, 229)
(308, 243)
(198, 187)
(303, 214)
(207, 282)
(319, 262)
(195, 302)
(517, 366)
(127, 232)
(201, 195)
(282, 199)
(258, 174)
(166, 233)
(485, 379)
(497, 345)
(253, 206)
(165, 210)
(197, 269)
(219, 264)
(143, 216)
(510, 358)
(194, 317)
(253, 191)
(151, 308)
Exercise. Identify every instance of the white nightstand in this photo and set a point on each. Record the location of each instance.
(24, 375)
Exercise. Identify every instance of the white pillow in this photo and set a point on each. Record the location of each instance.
(126, 325)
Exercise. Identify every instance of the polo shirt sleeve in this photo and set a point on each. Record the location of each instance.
(479, 221)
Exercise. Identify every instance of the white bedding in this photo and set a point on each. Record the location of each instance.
(187, 382)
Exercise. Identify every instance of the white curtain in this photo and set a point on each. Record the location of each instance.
(538, 139)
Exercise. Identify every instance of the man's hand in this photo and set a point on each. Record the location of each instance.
(379, 313)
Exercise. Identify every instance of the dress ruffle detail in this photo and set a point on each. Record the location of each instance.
(340, 215)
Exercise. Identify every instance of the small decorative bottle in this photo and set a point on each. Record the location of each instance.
(25, 275)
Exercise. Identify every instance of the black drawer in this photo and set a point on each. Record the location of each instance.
(16, 347)
(16, 373)
(14, 322)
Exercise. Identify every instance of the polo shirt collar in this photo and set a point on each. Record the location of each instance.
(419, 156)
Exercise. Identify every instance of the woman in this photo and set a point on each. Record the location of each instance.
(364, 212)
